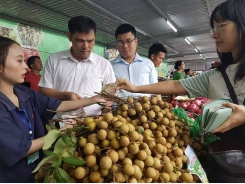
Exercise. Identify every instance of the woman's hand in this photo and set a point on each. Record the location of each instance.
(236, 118)
(126, 85)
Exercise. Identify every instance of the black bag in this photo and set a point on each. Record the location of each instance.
(228, 153)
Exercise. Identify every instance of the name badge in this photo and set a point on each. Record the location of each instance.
(33, 157)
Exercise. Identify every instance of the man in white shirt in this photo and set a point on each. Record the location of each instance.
(129, 64)
(77, 73)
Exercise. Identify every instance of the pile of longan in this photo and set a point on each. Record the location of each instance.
(142, 141)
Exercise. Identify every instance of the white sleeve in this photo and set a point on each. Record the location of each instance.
(47, 75)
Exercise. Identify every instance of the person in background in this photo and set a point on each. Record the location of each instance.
(78, 72)
(129, 64)
(188, 72)
(179, 67)
(228, 31)
(157, 53)
(21, 128)
(35, 64)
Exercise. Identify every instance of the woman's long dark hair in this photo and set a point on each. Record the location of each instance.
(233, 10)
(5, 44)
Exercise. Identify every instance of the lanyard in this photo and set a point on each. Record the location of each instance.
(27, 122)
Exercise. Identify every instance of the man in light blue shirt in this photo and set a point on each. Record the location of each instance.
(129, 64)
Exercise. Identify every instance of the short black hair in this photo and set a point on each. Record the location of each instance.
(156, 48)
(125, 28)
(81, 24)
(31, 60)
(187, 71)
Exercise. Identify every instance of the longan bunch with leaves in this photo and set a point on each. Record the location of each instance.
(140, 141)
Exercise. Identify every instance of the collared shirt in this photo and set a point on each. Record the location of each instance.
(33, 79)
(14, 133)
(211, 84)
(63, 72)
(140, 72)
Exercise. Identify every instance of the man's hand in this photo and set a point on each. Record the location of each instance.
(73, 96)
(236, 118)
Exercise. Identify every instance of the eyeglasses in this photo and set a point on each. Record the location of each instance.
(217, 28)
(128, 42)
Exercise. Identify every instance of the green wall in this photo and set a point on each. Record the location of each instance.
(162, 70)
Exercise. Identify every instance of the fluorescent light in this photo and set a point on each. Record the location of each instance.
(175, 30)
(187, 41)
(196, 50)
(201, 55)
(142, 32)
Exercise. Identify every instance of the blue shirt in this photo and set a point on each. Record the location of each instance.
(140, 72)
(14, 133)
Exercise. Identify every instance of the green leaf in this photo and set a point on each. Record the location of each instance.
(73, 161)
(71, 152)
(73, 138)
(47, 176)
(50, 138)
(58, 163)
(65, 154)
(48, 127)
(61, 176)
(53, 160)
(49, 153)
(67, 140)
(53, 126)
(59, 146)
(75, 129)
(44, 160)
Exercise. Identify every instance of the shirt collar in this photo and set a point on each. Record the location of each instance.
(137, 58)
(22, 96)
(68, 54)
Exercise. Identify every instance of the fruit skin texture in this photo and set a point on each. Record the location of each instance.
(79, 173)
(105, 162)
(186, 177)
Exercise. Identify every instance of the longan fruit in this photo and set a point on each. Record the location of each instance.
(150, 172)
(82, 141)
(186, 177)
(79, 173)
(168, 167)
(113, 155)
(89, 148)
(94, 176)
(105, 162)
(145, 98)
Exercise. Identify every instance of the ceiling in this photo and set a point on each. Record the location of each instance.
(190, 18)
